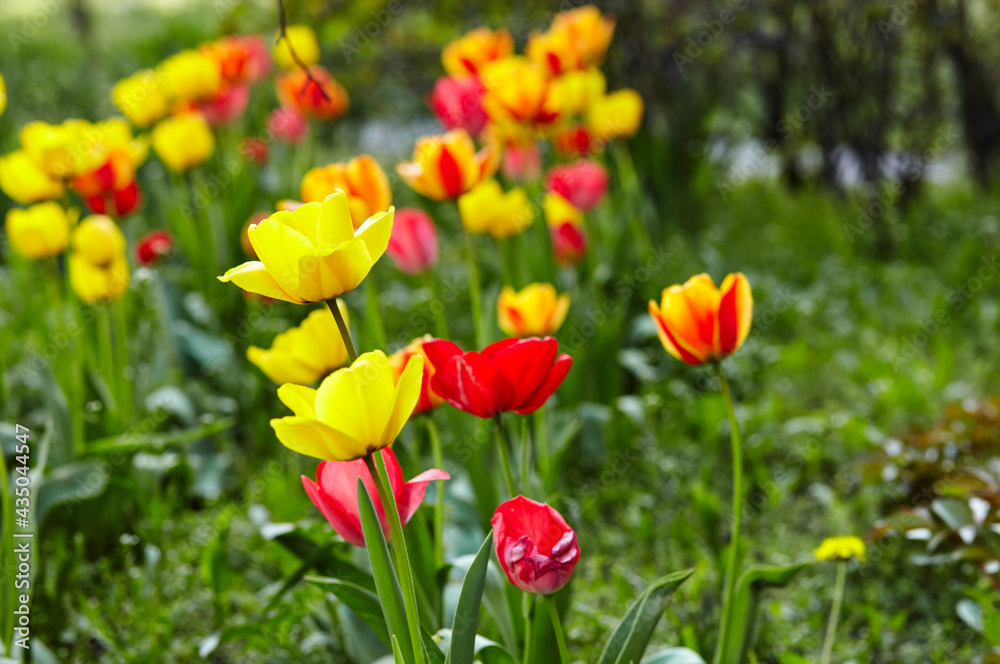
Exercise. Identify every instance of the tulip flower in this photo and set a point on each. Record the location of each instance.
(517, 91)
(699, 323)
(140, 98)
(189, 76)
(558, 211)
(241, 59)
(575, 92)
(312, 254)
(472, 50)
(287, 125)
(511, 374)
(448, 165)
(183, 141)
(335, 494)
(617, 114)
(306, 353)
(842, 548)
(574, 142)
(487, 209)
(457, 101)
(583, 183)
(320, 97)
(304, 43)
(362, 179)
(356, 410)
(40, 231)
(535, 546)
(23, 179)
(535, 310)
(227, 106)
(522, 162)
(58, 149)
(106, 179)
(577, 39)
(98, 269)
(569, 242)
(428, 399)
(413, 245)
(153, 247)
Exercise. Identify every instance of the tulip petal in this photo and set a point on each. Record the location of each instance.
(299, 398)
(282, 367)
(253, 277)
(358, 400)
(313, 438)
(413, 491)
(325, 277)
(735, 312)
(344, 524)
(669, 341)
(527, 363)
(440, 351)
(375, 233)
(280, 247)
(557, 373)
(340, 480)
(334, 225)
(405, 397)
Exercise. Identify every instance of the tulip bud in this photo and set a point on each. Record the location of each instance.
(583, 183)
(153, 247)
(183, 141)
(457, 101)
(40, 231)
(413, 245)
(287, 125)
(535, 546)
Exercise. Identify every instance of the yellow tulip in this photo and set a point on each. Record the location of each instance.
(361, 178)
(306, 353)
(574, 92)
(183, 141)
(57, 149)
(98, 239)
(313, 253)
(534, 311)
(24, 180)
(355, 411)
(614, 115)
(487, 209)
(140, 98)
(98, 269)
(39, 231)
(842, 548)
(577, 39)
(517, 90)
(468, 53)
(447, 165)
(559, 211)
(189, 76)
(3, 95)
(303, 41)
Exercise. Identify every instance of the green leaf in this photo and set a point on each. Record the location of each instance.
(463, 630)
(631, 636)
(386, 584)
(130, 442)
(487, 651)
(674, 656)
(72, 483)
(362, 602)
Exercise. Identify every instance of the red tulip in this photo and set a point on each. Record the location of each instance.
(227, 106)
(574, 142)
(457, 101)
(335, 493)
(569, 242)
(535, 546)
(117, 203)
(287, 125)
(522, 162)
(254, 149)
(583, 183)
(413, 245)
(154, 246)
(512, 374)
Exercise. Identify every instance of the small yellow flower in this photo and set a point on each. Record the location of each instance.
(24, 180)
(39, 231)
(616, 114)
(534, 311)
(303, 41)
(306, 353)
(487, 209)
(140, 98)
(313, 253)
(98, 269)
(183, 141)
(189, 76)
(355, 411)
(559, 211)
(842, 548)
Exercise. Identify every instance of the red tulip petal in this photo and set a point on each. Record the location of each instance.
(412, 495)
(451, 173)
(346, 525)
(527, 363)
(339, 481)
(557, 373)
(439, 352)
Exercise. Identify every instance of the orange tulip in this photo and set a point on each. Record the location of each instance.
(699, 323)
(518, 91)
(296, 91)
(398, 361)
(362, 179)
(448, 165)
(472, 50)
(577, 39)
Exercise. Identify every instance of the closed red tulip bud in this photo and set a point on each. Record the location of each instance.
(335, 493)
(583, 183)
(413, 245)
(287, 125)
(457, 101)
(536, 547)
(512, 374)
(522, 162)
(153, 247)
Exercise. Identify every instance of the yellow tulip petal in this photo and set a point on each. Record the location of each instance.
(283, 367)
(407, 392)
(254, 278)
(315, 439)
(299, 398)
(335, 224)
(357, 401)
(325, 277)
(280, 247)
(375, 233)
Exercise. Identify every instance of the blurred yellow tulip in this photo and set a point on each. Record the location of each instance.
(447, 165)
(534, 311)
(24, 180)
(574, 92)
(361, 178)
(40, 231)
(98, 239)
(304, 43)
(189, 76)
(183, 141)
(313, 253)
(306, 353)
(355, 411)
(98, 268)
(517, 90)
(468, 53)
(616, 114)
(140, 98)
(577, 39)
(487, 209)
(559, 211)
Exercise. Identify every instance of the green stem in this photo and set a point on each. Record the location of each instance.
(542, 442)
(528, 611)
(525, 456)
(734, 545)
(838, 598)
(504, 445)
(373, 315)
(107, 362)
(122, 358)
(475, 296)
(558, 629)
(435, 439)
(345, 332)
(376, 466)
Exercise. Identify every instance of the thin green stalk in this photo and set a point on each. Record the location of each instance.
(734, 545)
(122, 359)
(504, 445)
(542, 442)
(107, 360)
(435, 440)
(525, 455)
(528, 611)
(838, 598)
(376, 466)
(373, 317)
(345, 332)
(475, 296)
(558, 629)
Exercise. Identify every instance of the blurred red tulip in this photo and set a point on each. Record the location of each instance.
(335, 493)
(573, 142)
(287, 125)
(117, 203)
(569, 242)
(254, 149)
(583, 183)
(522, 162)
(153, 247)
(413, 245)
(457, 101)
(511, 374)
(535, 546)
(227, 106)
